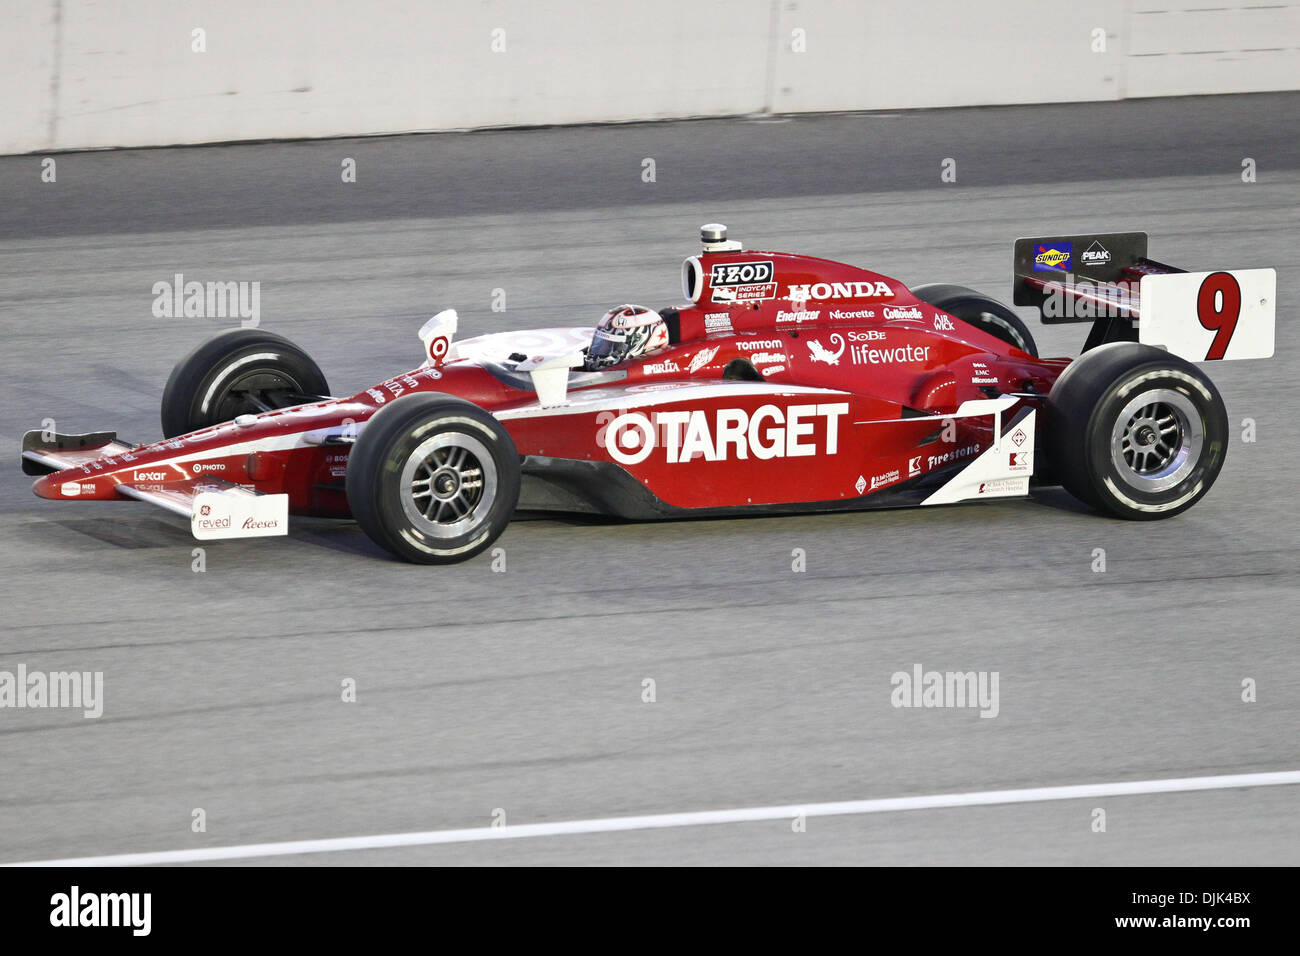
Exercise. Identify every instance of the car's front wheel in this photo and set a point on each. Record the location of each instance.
(433, 479)
(238, 372)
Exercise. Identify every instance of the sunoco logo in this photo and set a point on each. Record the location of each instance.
(726, 434)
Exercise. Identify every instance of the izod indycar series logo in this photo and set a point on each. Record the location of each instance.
(727, 434)
(742, 281)
(1054, 257)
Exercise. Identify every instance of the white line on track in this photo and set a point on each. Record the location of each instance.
(661, 821)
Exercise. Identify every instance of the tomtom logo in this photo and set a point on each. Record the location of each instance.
(903, 312)
(756, 344)
(841, 290)
(727, 433)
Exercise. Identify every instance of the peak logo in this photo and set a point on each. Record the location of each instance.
(1095, 255)
(726, 434)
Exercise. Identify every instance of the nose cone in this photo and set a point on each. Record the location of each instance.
(69, 485)
(48, 486)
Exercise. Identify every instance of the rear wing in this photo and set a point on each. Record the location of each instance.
(1109, 280)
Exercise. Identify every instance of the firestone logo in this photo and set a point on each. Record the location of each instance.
(726, 434)
(955, 455)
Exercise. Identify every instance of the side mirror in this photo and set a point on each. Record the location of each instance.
(437, 335)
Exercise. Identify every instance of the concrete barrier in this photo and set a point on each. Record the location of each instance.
(91, 73)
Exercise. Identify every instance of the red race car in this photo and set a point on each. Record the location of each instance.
(786, 383)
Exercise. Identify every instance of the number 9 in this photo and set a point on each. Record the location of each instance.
(1218, 306)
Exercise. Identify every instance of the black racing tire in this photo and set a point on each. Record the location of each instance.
(231, 373)
(1136, 432)
(433, 479)
(985, 313)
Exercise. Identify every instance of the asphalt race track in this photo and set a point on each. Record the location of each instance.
(519, 694)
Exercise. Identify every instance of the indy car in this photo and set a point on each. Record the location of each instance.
(784, 383)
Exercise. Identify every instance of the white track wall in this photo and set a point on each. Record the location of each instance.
(98, 73)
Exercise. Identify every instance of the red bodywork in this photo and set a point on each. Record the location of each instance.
(852, 371)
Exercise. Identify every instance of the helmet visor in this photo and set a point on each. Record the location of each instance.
(605, 343)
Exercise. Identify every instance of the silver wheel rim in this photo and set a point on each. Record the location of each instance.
(448, 485)
(1157, 440)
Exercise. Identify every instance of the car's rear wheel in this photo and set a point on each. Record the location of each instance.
(985, 313)
(1136, 432)
(433, 479)
(238, 372)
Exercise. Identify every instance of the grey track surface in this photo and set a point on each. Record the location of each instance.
(522, 691)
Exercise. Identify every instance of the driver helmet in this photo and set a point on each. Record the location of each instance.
(625, 332)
